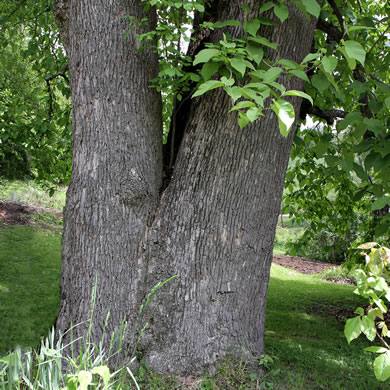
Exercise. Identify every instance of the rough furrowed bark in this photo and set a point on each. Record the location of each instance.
(117, 162)
(216, 224)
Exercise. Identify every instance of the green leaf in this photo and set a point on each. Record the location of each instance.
(84, 378)
(312, 7)
(350, 118)
(368, 328)
(227, 82)
(375, 125)
(252, 27)
(355, 50)
(268, 5)
(351, 61)
(310, 57)
(285, 113)
(380, 203)
(387, 102)
(264, 41)
(360, 311)
(289, 64)
(353, 329)
(234, 92)
(199, 7)
(256, 52)
(103, 372)
(243, 104)
(209, 69)
(242, 120)
(376, 349)
(207, 86)
(281, 11)
(329, 63)
(293, 92)
(355, 28)
(382, 366)
(253, 113)
(320, 82)
(238, 65)
(267, 21)
(300, 74)
(272, 74)
(205, 55)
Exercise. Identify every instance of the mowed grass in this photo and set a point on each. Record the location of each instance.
(307, 340)
(30, 267)
(303, 336)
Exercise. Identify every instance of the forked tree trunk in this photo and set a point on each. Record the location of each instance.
(214, 225)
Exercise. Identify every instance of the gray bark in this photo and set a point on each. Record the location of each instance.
(117, 163)
(213, 226)
(216, 224)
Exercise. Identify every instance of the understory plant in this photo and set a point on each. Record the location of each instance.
(50, 368)
(372, 281)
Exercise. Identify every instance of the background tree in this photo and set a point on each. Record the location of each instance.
(35, 127)
(339, 182)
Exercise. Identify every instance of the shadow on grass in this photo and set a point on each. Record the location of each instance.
(303, 333)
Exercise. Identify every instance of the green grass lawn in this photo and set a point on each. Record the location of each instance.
(30, 266)
(303, 337)
(306, 338)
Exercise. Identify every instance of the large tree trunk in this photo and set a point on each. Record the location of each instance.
(214, 225)
(117, 162)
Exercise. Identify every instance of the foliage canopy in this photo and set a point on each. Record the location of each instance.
(342, 164)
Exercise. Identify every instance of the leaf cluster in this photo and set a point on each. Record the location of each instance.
(35, 128)
(372, 281)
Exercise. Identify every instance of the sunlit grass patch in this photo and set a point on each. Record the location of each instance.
(32, 194)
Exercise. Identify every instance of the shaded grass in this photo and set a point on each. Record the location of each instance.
(30, 265)
(306, 338)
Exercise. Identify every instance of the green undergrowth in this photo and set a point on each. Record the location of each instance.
(338, 273)
(30, 265)
(285, 234)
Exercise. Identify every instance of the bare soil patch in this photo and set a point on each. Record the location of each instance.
(300, 264)
(14, 213)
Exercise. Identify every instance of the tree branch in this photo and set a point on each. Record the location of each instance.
(378, 80)
(329, 115)
(338, 14)
(332, 31)
(16, 8)
(48, 79)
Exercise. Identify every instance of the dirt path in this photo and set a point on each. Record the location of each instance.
(300, 264)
